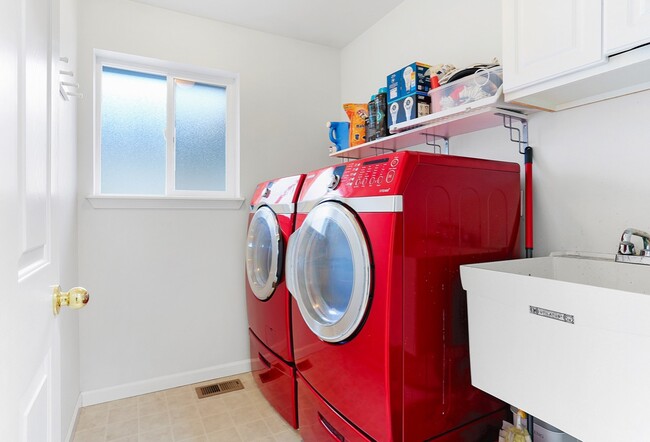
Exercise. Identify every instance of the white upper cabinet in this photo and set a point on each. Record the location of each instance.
(546, 38)
(559, 54)
(626, 24)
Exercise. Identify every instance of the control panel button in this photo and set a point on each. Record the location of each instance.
(390, 176)
(394, 162)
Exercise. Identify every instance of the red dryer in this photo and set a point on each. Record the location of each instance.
(270, 223)
(379, 315)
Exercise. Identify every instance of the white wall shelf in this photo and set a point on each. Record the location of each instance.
(431, 129)
(440, 125)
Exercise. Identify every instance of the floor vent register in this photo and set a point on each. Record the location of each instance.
(219, 388)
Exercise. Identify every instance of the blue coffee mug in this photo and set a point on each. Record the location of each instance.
(339, 134)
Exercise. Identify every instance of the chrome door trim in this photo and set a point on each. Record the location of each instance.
(279, 208)
(353, 316)
(365, 204)
(290, 273)
(264, 292)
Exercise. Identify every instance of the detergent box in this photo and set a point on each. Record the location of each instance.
(409, 107)
(412, 78)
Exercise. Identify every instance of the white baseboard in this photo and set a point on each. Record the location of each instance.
(73, 422)
(99, 396)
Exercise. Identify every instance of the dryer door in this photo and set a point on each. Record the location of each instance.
(328, 271)
(264, 253)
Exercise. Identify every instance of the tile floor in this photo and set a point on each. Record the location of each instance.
(178, 415)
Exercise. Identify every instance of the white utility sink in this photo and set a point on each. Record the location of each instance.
(566, 338)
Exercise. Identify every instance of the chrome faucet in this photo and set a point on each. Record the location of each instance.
(626, 249)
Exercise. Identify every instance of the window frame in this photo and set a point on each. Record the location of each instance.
(194, 198)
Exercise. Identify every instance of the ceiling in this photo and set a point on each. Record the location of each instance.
(327, 22)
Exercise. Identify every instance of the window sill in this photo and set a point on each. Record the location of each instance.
(163, 202)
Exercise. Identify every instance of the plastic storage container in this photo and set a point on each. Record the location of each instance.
(485, 83)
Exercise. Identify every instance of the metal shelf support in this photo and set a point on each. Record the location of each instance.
(519, 136)
(442, 148)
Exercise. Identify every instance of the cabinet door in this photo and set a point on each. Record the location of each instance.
(626, 24)
(543, 39)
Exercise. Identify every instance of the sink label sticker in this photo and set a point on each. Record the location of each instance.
(558, 316)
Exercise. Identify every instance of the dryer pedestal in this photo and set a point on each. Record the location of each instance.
(319, 422)
(275, 378)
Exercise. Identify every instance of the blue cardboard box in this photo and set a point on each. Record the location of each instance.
(415, 77)
(409, 107)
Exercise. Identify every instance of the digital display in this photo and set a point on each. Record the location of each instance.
(381, 160)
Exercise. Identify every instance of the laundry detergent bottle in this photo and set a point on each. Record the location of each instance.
(339, 134)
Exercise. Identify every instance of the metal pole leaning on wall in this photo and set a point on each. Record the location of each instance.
(528, 186)
(520, 136)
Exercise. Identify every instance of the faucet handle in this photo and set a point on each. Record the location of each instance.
(626, 248)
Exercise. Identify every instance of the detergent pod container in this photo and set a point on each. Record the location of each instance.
(339, 134)
(358, 114)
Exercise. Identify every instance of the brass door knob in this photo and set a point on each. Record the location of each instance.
(75, 298)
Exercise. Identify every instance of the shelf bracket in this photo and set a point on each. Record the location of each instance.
(441, 148)
(519, 136)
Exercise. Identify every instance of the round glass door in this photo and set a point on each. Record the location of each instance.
(263, 252)
(328, 271)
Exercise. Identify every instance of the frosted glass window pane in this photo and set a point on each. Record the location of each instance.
(200, 136)
(133, 150)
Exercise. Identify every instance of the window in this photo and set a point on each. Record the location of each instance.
(164, 130)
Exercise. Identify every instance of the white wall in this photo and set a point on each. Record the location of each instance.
(459, 32)
(168, 300)
(589, 175)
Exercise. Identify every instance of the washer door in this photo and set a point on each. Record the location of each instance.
(263, 253)
(328, 271)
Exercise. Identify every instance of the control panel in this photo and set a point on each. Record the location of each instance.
(281, 190)
(368, 177)
(373, 173)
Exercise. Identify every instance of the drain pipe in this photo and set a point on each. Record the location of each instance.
(528, 185)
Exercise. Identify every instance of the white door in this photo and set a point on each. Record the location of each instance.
(626, 24)
(29, 222)
(328, 271)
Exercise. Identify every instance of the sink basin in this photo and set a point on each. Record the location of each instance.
(565, 338)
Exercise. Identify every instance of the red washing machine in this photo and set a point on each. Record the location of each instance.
(379, 315)
(270, 223)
